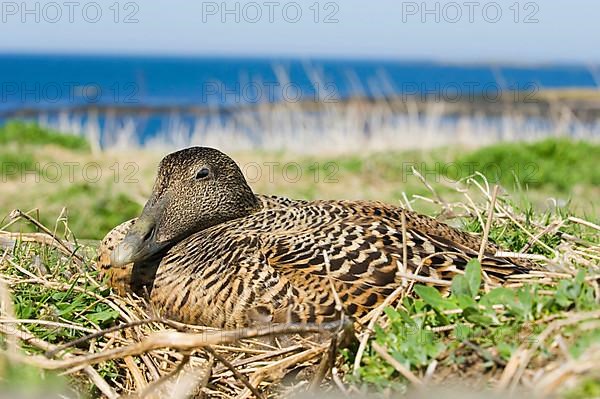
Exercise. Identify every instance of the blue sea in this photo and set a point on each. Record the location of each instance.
(158, 87)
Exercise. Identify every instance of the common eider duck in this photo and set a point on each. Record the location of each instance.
(209, 251)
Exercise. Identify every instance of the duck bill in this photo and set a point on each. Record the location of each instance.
(140, 243)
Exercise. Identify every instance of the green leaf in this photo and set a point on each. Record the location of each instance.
(462, 331)
(580, 278)
(499, 296)
(506, 349)
(103, 316)
(432, 297)
(525, 303)
(473, 276)
(460, 286)
(465, 301)
(475, 316)
(562, 297)
(392, 314)
(583, 342)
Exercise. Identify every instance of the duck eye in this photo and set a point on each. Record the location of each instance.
(202, 173)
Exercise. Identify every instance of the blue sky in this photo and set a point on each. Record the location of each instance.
(558, 31)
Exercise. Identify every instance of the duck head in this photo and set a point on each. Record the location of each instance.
(196, 188)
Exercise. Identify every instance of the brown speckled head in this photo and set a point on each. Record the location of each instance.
(196, 188)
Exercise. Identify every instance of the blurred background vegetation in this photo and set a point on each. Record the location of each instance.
(53, 171)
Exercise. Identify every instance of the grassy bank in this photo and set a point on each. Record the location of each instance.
(59, 176)
(539, 333)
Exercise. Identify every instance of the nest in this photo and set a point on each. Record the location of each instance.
(152, 357)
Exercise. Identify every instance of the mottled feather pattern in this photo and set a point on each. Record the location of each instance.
(270, 266)
(117, 277)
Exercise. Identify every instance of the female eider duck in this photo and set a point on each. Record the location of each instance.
(212, 252)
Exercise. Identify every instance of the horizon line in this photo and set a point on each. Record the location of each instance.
(315, 57)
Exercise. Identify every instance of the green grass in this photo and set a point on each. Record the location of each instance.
(410, 340)
(46, 170)
(562, 169)
(558, 164)
(26, 134)
(60, 294)
(488, 327)
(18, 140)
(103, 210)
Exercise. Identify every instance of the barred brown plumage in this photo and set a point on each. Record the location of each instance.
(211, 252)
